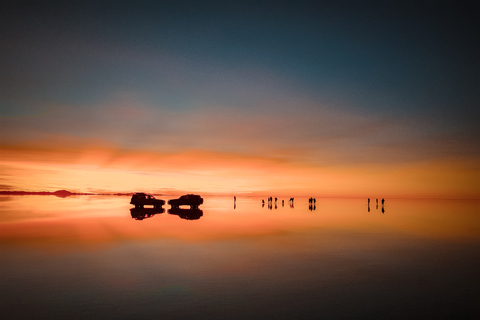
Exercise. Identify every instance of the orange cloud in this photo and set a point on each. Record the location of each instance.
(310, 150)
(93, 166)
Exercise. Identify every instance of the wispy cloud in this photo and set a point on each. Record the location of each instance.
(302, 132)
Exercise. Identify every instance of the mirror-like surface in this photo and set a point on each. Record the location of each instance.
(97, 257)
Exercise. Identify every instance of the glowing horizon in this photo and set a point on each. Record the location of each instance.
(290, 99)
(112, 170)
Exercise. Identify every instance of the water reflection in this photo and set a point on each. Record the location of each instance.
(272, 203)
(187, 214)
(85, 256)
(291, 202)
(143, 213)
(85, 219)
(376, 206)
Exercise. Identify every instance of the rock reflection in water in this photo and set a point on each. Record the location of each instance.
(188, 214)
(143, 213)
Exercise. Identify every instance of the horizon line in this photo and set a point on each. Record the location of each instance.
(114, 193)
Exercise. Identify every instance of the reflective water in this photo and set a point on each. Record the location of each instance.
(93, 257)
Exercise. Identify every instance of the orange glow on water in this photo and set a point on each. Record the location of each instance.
(91, 220)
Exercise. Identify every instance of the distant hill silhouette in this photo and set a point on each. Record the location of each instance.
(58, 193)
(62, 193)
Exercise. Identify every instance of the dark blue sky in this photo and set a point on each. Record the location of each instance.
(410, 64)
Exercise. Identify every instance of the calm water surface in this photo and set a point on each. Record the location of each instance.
(88, 257)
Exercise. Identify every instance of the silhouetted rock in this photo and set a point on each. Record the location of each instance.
(192, 200)
(62, 193)
(141, 199)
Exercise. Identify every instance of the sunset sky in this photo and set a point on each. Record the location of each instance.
(320, 98)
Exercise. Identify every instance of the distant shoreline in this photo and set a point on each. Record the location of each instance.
(59, 193)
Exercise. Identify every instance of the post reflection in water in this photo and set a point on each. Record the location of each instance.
(376, 207)
(84, 257)
(271, 204)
